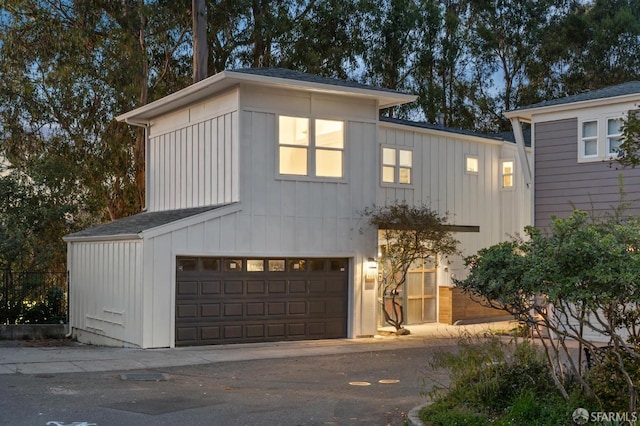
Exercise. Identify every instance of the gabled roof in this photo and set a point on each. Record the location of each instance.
(622, 92)
(274, 77)
(132, 226)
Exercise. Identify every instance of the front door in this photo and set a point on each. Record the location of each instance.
(421, 292)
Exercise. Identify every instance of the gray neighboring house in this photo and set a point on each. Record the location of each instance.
(575, 141)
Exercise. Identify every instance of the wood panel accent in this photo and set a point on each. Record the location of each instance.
(457, 306)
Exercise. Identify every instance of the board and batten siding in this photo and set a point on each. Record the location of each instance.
(562, 184)
(281, 216)
(105, 292)
(193, 156)
(441, 183)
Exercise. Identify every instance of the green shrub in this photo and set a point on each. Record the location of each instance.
(497, 382)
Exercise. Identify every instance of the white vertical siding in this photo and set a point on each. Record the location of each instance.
(194, 156)
(105, 290)
(440, 182)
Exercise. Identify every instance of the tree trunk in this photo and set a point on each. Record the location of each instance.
(200, 49)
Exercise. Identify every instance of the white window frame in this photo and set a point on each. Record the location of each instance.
(602, 138)
(467, 158)
(312, 148)
(397, 166)
(610, 136)
(512, 174)
(584, 139)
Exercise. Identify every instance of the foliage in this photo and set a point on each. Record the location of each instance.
(579, 278)
(497, 381)
(408, 234)
(48, 311)
(630, 146)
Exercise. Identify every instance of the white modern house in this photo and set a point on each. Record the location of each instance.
(253, 228)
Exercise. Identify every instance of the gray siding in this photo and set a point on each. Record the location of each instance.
(562, 184)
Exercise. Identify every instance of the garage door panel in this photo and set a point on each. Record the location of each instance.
(277, 287)
(296, 329)
(254, 309)
(187, 288)
(317, 287)
(210, 333)
(253, 331)
(297, 308)
(219, 304)
(208, 310)
(256, 288)
(297, 286)
(187, 311)
(210, 287)
(232, 287)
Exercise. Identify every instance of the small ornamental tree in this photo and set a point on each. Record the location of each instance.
(579, 279)
(407, 234)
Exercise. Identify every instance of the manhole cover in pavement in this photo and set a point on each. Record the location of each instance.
(360, 383)
(145, 377)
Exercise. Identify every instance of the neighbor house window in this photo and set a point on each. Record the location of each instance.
(599, 139)
(507, 173)
(472, 165)
(311, 147)
(614, 135)
(397, 165)
(589, 146)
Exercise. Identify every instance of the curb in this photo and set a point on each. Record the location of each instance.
(414, 415)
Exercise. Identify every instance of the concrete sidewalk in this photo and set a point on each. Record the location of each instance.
(76, 358)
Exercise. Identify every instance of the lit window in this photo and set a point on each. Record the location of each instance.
(321, 155)
(507, 173)
(397, 165)
(472, 165)
(589, 138)
(614, 135)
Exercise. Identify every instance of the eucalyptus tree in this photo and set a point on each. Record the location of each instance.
(69, 68)
(505, 37)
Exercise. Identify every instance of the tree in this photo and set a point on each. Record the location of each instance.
(580, 277)
(407, 234)
(629, 154)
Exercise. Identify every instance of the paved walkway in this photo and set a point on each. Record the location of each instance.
(73, 358)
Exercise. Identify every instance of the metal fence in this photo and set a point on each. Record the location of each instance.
(33, 297)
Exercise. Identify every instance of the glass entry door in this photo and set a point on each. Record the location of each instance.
(420, 297)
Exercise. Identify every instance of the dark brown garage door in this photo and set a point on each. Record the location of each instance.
(241, 300)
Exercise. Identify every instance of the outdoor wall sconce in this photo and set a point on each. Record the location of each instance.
(371, 270)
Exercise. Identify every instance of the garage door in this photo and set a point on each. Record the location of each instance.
(242, 300)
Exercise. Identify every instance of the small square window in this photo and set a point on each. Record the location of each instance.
(186, 265)
(210, 265)
(255, 265)
(589, 138)
(233, 265)
(472, 164)
(297, 265)
(276, 265)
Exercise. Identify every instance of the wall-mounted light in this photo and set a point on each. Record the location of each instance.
(371, 269)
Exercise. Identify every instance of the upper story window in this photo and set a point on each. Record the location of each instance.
(311, 147)
(472, 164)
(397, 165)
(599, 139)
(507, 173)
(614, 135)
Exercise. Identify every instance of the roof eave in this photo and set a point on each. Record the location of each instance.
(527, 113)
(98, 238)
(226, 79)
